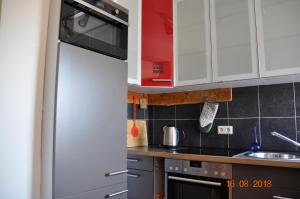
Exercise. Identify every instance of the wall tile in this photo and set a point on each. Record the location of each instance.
(140, 113)
(244, 102)
(284, 126)
(242, 137)
(164, 112)
(192, 132)
(157, 130)
(212, 139)
(297, 92)
(222, 110)
(298, 131)
(150, 112)
(188, 111)
(277, 100)
(150, 132)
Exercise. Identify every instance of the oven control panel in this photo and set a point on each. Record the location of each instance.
(199, 168)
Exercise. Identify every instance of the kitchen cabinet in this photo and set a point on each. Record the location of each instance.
(134, 39)
(213, 41)
(234, 42)
(150, 42)
(278, 37)
(192, 42)
(265, 182)
(157, 43)
(145, 177)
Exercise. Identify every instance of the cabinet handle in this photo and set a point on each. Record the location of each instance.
(101, 12)
(116, 173)
(161, 80)
(131, 175)
(132, 160)
(116, 194)
(280, 197)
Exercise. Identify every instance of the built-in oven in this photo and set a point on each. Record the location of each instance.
(186, 179)
(97, 25)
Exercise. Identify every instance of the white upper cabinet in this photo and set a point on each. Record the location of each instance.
(192, 42)
(278, 23)
(234, 41)
(134, 39)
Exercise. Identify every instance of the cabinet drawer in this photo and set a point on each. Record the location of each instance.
(140, 184)
(118, 191)
(284, 178)
(140, 162)
(285, 194)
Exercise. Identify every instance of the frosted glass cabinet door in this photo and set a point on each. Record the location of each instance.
(234, 41)
(192, 42)
(278, 36)
(134, 40)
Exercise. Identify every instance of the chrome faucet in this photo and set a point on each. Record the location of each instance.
(282, 137)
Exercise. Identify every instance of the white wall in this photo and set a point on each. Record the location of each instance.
(23, 29)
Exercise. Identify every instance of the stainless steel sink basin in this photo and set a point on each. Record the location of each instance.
(270, 155)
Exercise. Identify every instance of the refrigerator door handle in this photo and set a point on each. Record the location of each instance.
(116, 194)
(116, 173)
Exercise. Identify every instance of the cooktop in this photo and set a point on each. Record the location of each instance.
(202, 151)
(210, 151)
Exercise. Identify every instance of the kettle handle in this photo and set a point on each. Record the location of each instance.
(184, 136)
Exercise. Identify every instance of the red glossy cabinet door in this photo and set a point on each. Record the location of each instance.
(157, 43)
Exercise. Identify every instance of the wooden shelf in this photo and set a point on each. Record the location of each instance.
(191, 97)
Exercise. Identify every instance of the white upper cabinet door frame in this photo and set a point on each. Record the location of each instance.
(253, 42)
(262, 50)
(134, 39)
(208, 75)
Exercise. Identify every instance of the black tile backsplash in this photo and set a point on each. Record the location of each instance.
(297, 97)
(191, 130)
(164, 112)
(298, 131)
(271, 108)
(284, 126)
(277, 100)
(189, 111)
(212, 139)
(244, 102)
(222, 110)
(140, 113)
(243, 135)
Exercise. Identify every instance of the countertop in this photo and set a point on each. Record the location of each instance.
(165, 153)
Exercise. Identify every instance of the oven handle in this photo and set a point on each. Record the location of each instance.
(218, 184)
(94, 8)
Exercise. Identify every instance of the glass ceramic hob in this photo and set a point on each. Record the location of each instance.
(202, 151)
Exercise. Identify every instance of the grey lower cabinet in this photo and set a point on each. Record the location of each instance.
(140, 184)
(145, 177)
(261, 182)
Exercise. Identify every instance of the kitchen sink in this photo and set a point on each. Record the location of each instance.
(270, 155)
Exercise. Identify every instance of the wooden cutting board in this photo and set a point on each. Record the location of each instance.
(141, 139)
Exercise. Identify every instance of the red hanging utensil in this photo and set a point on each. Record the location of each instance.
(134, 129)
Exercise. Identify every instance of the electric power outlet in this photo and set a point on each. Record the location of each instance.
(225, 130)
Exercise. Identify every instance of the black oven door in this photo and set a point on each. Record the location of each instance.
(95, 26)
(180, 186)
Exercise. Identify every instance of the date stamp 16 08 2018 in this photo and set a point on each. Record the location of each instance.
(245, 183)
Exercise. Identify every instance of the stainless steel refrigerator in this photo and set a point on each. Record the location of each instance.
(89, 144)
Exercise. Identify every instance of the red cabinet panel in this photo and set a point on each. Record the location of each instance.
(157, 43)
